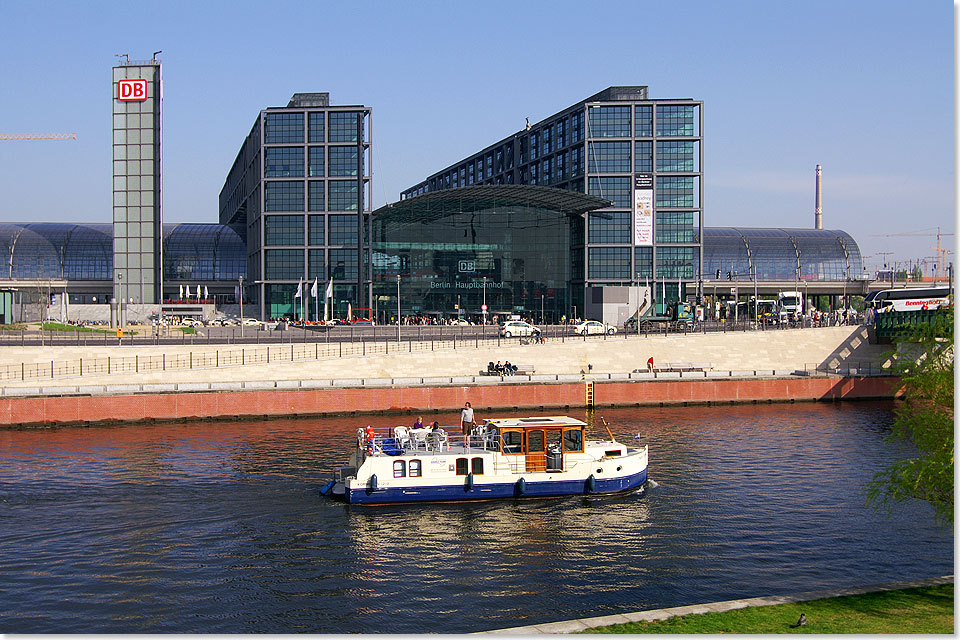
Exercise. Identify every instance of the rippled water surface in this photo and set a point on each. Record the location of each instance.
(218, 527)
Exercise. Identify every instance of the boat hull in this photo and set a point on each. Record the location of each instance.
(465, 491)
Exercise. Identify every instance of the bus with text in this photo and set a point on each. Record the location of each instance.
(913, 299)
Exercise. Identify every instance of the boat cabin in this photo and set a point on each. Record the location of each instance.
(541, 441)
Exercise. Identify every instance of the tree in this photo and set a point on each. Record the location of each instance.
(924, 418)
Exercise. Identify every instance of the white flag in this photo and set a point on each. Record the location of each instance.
(180, 297)
(313, 289)
(299, 289)
(198, 293)
(206, 292)
(349, 312)
(329, 289)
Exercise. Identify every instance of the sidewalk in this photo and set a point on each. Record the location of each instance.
(574, 626)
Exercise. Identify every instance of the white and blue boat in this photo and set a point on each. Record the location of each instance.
(538, 457)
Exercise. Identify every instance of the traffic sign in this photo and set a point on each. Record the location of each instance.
(483, 307)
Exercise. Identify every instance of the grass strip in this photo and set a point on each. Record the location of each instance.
(57, 326)
(901, 611)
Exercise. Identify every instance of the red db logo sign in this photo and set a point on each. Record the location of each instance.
(131, 90)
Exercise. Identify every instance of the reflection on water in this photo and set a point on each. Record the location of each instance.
(218, 527)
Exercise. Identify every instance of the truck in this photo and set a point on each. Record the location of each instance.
(790, 305)
(677, 315)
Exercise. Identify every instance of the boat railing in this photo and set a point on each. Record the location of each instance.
(396, 440)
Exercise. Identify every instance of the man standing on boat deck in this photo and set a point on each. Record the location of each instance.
(466, 419)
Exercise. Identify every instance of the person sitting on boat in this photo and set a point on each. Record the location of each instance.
(418, 424)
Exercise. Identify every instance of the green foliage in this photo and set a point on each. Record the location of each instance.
(924, 418)
(920, 610)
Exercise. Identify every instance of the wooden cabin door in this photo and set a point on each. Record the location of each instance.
(536, 450)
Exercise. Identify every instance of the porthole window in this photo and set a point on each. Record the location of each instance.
(476, 466)
(399, 469)
(415, 469)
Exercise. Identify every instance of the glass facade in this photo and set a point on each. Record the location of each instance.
(508, 247)
(781, 254)
(322, 167)
(605, 146)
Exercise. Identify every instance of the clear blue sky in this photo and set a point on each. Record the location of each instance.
(864, 88)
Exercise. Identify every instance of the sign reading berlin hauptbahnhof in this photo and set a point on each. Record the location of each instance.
(643, 209)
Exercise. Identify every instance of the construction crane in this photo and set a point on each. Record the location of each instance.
(38, 136)
(941, 252)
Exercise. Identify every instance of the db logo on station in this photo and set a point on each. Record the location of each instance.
(131, 90)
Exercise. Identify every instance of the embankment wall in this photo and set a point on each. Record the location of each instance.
(86, 409)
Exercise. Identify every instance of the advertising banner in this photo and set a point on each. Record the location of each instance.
(643, 209)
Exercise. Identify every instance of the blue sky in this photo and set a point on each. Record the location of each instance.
(864, 88)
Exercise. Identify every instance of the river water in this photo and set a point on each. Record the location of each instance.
(218, 527)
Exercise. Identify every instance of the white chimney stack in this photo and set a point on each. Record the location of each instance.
(818, 205)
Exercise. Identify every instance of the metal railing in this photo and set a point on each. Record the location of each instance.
(319, 348)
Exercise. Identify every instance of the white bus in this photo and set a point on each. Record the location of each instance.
(909, 299)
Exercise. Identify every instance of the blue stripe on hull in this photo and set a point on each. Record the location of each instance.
(460, 492)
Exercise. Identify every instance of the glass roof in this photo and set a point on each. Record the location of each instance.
(438, 204)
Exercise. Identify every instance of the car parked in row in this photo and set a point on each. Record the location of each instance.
(513, 328)
(592, 327)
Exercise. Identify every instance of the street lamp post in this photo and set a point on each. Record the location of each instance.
(398, 308)
(484, 309)
(241, 306)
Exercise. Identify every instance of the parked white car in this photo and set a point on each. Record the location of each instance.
(592, 327)
(250, 322)
(517, 328)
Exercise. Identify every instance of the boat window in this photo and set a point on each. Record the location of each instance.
(461, 466)
(613, 453)
(573, 440)
(534, 441)
(476, 466)
(513, 442)
(553, 439)
(415, 469)
(399, 468)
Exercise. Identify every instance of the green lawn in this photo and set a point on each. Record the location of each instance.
(59, 326)
(920, 610)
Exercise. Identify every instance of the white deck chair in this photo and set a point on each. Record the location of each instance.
(402, 436)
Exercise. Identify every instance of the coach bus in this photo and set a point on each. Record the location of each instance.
(909, 299)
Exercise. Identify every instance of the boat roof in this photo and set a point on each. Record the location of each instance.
(538, 421)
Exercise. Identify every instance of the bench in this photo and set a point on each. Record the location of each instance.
(678, 366)
(522, 370)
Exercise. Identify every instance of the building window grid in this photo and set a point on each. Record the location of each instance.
(609, 227)
(675, 120)
(286, 195)
(344, 126)
(316, 264)
(343, 264)
(676, 192)
(316, 162)
(609, 263)
(315, 230)
(283, 162)
(676, 226)
(316, 121)
(609, 157)
(609, 122)
(343, 230)
(283, 264)
(643, 262)
(619, 190)
(344, 161)
(283, 230)
(675, 155)
(317, 193)
(677, 262)
(344, 195)
(283, 128)
(643, 121)
(643, 156)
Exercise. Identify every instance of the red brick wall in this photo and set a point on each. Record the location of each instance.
(184, 406)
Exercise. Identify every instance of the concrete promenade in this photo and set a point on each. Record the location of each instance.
(574, 626)
(768, 351)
